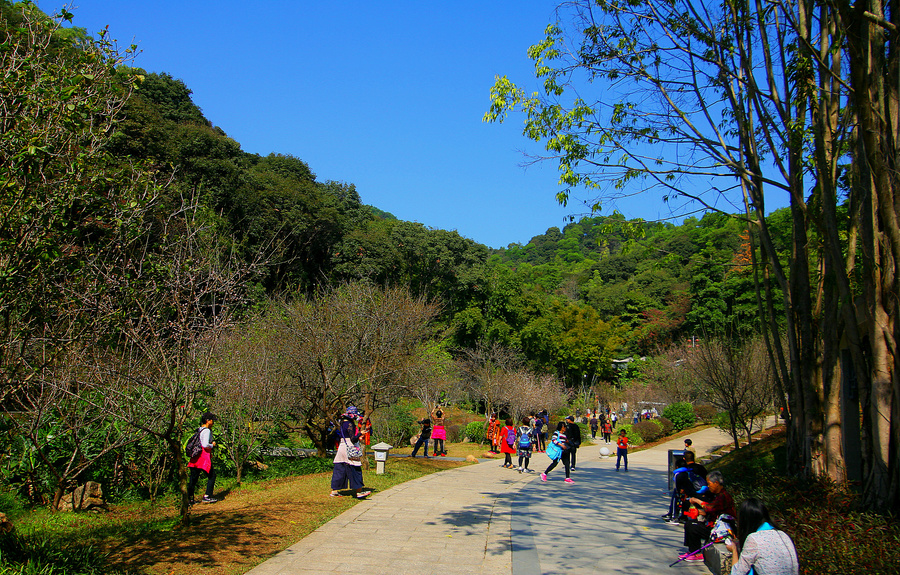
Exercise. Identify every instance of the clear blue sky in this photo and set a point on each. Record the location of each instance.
(388, 96)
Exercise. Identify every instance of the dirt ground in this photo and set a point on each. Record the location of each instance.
(246, 527)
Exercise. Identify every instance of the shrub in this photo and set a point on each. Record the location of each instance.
(36, 554)
(680, 414)
(705, 413)
(454, 433)
(649, 430)
(667, 426)
(475, 431)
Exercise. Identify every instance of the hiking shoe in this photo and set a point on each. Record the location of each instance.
(208, 499)
(569, 480)
(543, 477)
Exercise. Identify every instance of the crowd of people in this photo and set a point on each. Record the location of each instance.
(700, 500)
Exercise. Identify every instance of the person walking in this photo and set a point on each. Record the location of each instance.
(622, 449)
(491, 432)
(539, 432)
(557, 450)
(607, 431)
(524, 444)
(614, 418)
(595, 424)
(347, 465)
(573, 433)
(508, 443)
(424, 436)
(203, 461)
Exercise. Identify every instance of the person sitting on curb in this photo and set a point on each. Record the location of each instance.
(695, 531)
(763, 548)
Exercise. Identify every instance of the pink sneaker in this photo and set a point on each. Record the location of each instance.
(569, 480)
(543, 477)
(695, 557)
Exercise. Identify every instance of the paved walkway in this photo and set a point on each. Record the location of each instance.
(486, 519)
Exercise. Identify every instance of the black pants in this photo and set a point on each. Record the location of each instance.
(210, 482)
(694, 534)
(572, 459)
(438, 446)
(525, 459)
(564, 459)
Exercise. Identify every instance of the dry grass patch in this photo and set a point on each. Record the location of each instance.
(249, 525)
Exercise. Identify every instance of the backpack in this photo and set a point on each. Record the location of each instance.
(697, 482)
(511, 436)
(193, 447)
(525, 438)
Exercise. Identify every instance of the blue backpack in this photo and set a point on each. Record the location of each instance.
(525, 438)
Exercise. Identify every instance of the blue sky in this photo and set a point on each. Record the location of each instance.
(388, 96)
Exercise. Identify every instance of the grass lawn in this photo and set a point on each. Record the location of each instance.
(252, 522)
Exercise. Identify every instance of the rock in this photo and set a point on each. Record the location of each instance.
(87, 497)
(6, 525)
(471, 458)
(466, 440)
(257, 465)
(487, 455)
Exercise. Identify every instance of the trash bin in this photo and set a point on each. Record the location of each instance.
(673, 455)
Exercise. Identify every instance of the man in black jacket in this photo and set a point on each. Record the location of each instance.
(573, 433)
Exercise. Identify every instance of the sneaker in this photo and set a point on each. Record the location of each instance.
(529, 470)
(521, 469)
(666, 516)
(573, 468)
(543, 477)
(695, 557)
(673, 521)
(569, 480)
(208, 499)
(363, 494)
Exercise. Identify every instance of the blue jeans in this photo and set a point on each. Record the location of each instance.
(423, 440)
(620, 455)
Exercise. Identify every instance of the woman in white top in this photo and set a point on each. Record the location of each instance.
(764, 550)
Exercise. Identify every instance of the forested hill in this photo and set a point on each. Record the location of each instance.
(570, 300)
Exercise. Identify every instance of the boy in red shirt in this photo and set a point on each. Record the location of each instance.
(622, 449)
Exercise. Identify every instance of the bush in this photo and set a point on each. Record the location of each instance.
(475, 431)
(705, 413)
(34, 554)
(454, 433)
(649, 430)
(680, 414)
(667, 426)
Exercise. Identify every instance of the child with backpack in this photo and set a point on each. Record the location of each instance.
(508, 443)
(525, 443)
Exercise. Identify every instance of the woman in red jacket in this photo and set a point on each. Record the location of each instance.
(508, 443)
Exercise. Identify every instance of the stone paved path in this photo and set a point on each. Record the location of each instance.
(486, 519)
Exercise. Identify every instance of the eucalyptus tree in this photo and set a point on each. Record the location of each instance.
(727, 105)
